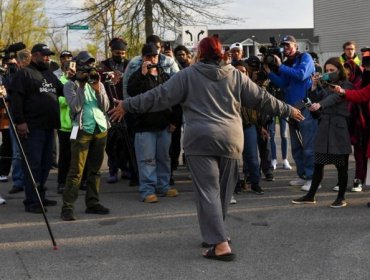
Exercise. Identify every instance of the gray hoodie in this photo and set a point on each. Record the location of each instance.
(211, 97)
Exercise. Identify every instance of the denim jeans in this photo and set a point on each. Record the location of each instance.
(250, 155)
(17, 171)
(283, 136)
(153, 161)
(303, 153)
(64, 155)
(38, 147)
(87, 152)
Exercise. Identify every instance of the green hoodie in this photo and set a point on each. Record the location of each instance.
(65, 118)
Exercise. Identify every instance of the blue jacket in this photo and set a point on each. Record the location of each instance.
(294, 80)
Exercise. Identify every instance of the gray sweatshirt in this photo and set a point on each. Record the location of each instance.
(211, 97)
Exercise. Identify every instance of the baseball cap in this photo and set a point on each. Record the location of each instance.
(288, 39)
(66, 53)
(42, 48)
(149, 49)
(84, 56)
(253, 61)
(236, 46)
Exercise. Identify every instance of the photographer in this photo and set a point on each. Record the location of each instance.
(111, 71)
(152, 131)
(88, 103)
(294, 78)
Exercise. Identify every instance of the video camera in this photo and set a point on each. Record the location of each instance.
(365, 56)
(269, 52)
(13, 48)
(87, 73)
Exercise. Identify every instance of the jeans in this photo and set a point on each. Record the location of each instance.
(38, 147)
(250, 155)
(283, 136)
(303, 153)
(64, 155)
(153, 161)
(87, 152)
(17, 172)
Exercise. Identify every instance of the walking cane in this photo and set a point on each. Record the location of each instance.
(29, 171)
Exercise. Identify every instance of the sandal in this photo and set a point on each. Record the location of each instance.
(211, 254)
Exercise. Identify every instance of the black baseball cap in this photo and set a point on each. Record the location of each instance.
(253, 61)
(66, 53)
(288, 39)
(84, 57)
(149, 49)
(42, 48)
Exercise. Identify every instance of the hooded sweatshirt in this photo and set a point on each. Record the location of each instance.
(211, 97)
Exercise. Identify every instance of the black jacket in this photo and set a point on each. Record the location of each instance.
(153, 121)
(35, 98)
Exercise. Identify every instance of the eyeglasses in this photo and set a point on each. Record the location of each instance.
(350, 49)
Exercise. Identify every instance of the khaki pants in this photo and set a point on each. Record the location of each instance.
(87, 149)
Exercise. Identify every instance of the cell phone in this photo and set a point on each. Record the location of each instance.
(72, 65)
(167, 46)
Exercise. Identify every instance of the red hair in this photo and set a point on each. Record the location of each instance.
(210, 48)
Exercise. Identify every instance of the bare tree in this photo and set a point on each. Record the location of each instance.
(129, 18)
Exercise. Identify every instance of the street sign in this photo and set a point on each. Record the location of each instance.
(191, 35)
(78, 27)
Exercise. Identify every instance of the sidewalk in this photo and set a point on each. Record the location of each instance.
(272, 238)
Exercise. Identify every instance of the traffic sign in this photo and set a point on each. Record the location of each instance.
(191, 35)
(78, 27)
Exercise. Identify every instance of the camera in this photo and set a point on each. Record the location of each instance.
(269, 52)
(150, 66)
(87, 73)
(307, 103)
(365, 56)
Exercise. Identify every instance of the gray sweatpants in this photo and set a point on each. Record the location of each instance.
(214, 179)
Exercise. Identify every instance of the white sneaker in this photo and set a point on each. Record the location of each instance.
(232, 200)
(336, 189)
(357, 186)
(2, 200)
(3, 178)
(306, 187)
(286, 165)
(274, 163)
(297, 182)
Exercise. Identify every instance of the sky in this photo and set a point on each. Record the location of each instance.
(254, 15)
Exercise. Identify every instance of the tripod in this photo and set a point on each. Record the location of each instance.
(29, 170)
(122, 126)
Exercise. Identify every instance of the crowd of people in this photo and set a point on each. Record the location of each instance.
(225, 105)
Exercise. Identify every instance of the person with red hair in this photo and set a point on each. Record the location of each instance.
(211, 95)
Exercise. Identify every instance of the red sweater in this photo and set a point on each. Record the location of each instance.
(358, 96)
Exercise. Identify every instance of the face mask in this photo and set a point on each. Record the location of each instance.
(330, 77)
(117, 58)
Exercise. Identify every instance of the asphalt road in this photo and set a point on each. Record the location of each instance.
(272, 238)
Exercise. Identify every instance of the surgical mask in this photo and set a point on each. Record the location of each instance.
(330, 77)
